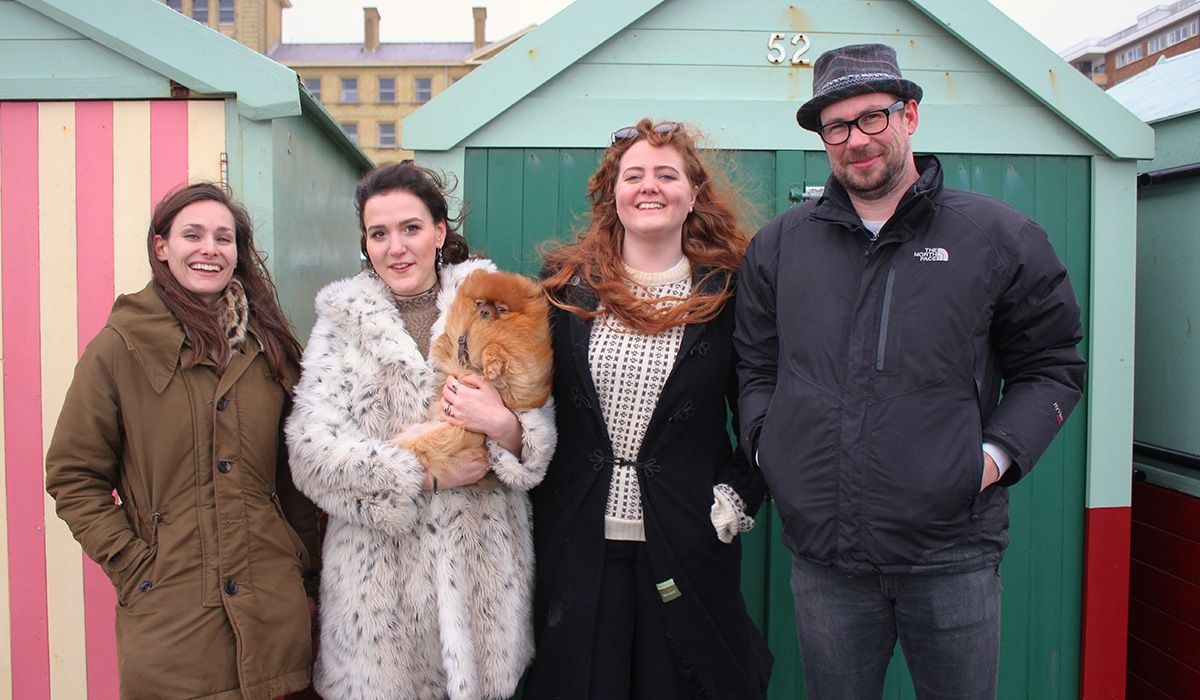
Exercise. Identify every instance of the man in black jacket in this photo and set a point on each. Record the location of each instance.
(874, 328)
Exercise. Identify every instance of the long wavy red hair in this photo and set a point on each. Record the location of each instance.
(714, 240)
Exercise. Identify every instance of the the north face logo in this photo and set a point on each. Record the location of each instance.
(932, 255)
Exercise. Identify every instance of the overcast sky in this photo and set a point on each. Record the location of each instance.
(1057, 23)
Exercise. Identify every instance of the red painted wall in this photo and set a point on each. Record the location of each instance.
(1105, 602)
(1164, 595)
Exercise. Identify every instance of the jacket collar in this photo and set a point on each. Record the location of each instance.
(913, 211)
(151, 333)
(155, 338)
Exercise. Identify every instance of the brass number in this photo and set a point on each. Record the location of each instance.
(777, 53)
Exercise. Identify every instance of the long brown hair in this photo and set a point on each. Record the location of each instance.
(199, 320)
(424, 184)
(713, 240)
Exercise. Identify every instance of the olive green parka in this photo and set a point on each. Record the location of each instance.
(208, 545)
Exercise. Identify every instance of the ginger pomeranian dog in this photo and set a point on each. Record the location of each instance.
(498, 327)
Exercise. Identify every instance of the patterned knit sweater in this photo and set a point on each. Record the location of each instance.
(629, 369)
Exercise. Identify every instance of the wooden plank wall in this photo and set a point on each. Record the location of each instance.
(78, 180)
(520, 199)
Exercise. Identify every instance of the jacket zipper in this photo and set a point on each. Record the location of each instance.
(884, 317)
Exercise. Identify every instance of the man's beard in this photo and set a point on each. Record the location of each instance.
(881, 181)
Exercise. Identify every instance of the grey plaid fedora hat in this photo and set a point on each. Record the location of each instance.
(853, 70)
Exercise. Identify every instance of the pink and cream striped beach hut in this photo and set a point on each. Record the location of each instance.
(104, 107)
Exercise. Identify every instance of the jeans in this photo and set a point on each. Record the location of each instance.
(948, 626)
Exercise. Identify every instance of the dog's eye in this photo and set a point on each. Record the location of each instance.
(478, 303)
(501, 309)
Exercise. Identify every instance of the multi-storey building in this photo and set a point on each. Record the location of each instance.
(254, 23)
(1165, 30)
(369, 87)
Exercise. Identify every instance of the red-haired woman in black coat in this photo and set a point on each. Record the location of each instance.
(638, 565)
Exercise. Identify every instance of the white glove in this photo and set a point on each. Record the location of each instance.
(728, 513)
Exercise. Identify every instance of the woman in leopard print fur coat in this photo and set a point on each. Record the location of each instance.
(426, 590)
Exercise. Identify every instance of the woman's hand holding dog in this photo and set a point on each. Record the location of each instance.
(464, 473)
(472, 403)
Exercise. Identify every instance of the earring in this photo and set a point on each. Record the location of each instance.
(437, 260)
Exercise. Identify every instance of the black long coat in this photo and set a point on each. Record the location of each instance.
(685, 452)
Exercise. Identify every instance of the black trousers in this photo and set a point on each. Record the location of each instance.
(631, 656)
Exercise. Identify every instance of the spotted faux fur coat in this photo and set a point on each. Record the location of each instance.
(422, 595)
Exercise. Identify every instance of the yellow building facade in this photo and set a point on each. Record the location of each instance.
(257, 24)
(370, 101)
(369, 87)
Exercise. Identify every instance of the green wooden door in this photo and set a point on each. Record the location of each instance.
(519, 199)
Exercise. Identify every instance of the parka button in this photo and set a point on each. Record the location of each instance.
(144, 586)
(231, 587)
(222, 403)
(224, 466)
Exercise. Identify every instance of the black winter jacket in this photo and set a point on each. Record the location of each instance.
(686, 450)
(870, 373)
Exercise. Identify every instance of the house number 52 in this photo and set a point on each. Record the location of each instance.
(777, 52)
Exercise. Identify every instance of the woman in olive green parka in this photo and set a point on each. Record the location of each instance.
(177, 406)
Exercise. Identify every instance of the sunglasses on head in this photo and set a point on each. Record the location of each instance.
(629, 132)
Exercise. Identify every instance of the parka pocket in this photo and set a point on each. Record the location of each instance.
(138, 579)
(297, 545)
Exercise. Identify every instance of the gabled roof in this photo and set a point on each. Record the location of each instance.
(582, 26)
(180, 49)
(1169, 88)
(487, 51)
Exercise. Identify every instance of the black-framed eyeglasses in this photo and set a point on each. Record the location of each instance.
(629, 132)
(870, 123)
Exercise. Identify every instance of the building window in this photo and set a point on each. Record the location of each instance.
(423, 89)
(313, 85)
(349, 90)
(1156, 44)
(225, 11)
(1180, 33)
(200, 11)
(351, 130)
(387, 89)
(176, 5)
(1131, 55)
(387, 134)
